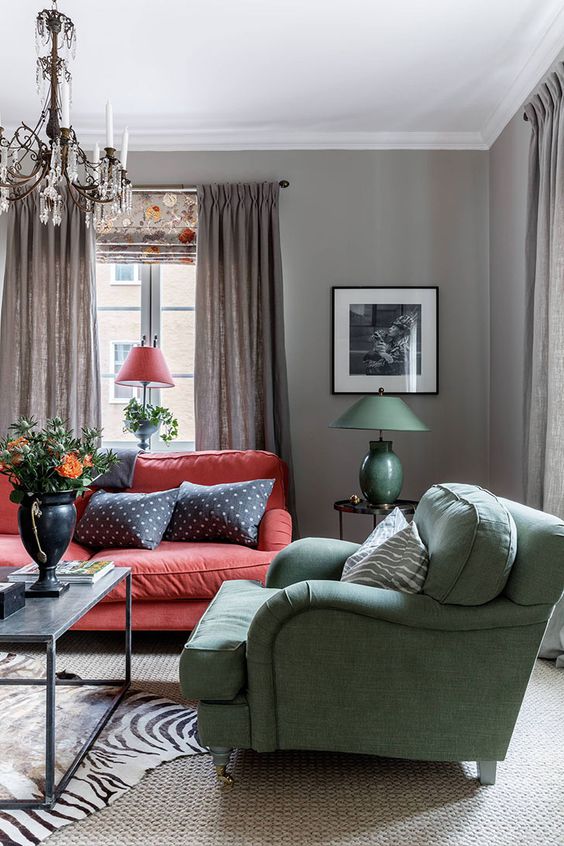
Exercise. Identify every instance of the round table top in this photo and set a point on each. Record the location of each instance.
(407, 506)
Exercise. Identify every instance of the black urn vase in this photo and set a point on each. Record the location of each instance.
(46, 522)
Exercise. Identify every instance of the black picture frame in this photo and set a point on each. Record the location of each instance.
(370, 349)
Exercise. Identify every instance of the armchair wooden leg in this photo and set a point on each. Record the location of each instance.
(220, 756)
(486, 771)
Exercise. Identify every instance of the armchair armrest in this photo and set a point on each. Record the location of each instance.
(416, 611)
(275, 530)
(310, 558)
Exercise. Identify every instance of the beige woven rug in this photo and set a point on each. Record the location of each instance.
(286, 799)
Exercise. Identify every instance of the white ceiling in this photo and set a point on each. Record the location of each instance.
(259, 74)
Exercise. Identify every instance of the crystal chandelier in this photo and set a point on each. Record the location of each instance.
(100, 188)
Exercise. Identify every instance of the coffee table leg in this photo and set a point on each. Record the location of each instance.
(50, 729)
(128, 628)
(340, 525)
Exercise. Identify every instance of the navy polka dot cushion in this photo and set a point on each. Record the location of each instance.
(229, 512)
(125, 520)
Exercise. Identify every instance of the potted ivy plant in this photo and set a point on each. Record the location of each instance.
(144, 419)
(47, 468)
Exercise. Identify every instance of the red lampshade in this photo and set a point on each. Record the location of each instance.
(145, 366)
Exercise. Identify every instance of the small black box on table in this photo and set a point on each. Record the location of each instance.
(12, 598)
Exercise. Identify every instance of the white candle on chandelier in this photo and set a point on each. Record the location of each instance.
(96, 153)
(65, 104)
(109, 125)
(124, 148)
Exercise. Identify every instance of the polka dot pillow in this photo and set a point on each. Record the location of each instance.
(125, 520)
(229, 512)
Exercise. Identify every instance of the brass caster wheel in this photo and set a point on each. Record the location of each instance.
(223, 777)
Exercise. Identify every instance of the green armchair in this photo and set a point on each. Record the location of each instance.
(309, 662)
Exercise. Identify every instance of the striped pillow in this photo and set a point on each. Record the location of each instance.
(391, 525)
(400, 563)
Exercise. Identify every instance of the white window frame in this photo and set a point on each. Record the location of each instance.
(113, 399)
(135, 281)
(150, 280)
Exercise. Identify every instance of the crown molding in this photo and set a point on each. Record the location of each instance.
(178, 139)
(539, 62)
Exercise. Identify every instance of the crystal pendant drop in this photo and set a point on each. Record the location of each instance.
(4, 200)
(3, 163)
(72, 163)
(43, 210)
(57, 211)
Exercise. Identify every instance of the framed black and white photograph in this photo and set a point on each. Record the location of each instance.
(387, 338)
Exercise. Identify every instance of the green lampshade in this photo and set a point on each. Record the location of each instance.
(380, 412)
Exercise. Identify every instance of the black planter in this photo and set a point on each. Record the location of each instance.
(54, 517)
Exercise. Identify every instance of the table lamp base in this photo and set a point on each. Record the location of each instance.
(381, 474)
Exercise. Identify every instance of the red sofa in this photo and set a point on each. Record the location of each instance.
(174, 583)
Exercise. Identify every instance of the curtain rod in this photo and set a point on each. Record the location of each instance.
(187, 189)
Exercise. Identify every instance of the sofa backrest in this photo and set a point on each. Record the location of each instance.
(537, 575)
(8, 510)
(157, 471)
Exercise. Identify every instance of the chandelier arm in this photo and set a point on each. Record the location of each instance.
(16, 181)
(72, 189)
(83, 191)
(32, 188)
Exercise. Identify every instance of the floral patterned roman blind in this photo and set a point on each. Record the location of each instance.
(162, 227)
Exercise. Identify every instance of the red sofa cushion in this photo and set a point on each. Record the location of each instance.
(186, 570)
(12, 552)
(8, 510)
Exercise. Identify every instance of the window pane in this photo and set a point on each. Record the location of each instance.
(126, 273)
(121, 350)
(178, 290)
(119, 327)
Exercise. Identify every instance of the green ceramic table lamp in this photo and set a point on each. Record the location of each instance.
(381, 474)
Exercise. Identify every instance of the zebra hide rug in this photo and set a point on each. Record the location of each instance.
(145, 731)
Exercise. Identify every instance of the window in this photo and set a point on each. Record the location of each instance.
(125, 274)
(162, 304)
(119, 351)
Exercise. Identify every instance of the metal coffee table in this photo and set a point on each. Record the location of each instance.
(43, 621)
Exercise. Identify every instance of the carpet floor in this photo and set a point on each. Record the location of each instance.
(320, 799)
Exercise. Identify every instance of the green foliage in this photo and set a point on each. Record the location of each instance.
(135, 416)
(51, 459)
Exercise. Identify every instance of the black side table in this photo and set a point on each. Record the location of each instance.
(346, 506)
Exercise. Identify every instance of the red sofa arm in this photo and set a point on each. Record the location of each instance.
(275, 530)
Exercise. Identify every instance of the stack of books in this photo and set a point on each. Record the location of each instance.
(75, 572)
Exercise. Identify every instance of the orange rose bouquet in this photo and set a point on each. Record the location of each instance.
(51, 459)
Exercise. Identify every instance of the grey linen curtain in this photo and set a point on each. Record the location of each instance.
(240, 384)
(48, 340)
(544, 377)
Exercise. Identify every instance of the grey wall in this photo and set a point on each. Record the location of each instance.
(382, 217)
(362, 217)
(508, 208)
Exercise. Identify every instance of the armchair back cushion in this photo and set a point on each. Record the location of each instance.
(537, 576)
(472, 541)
